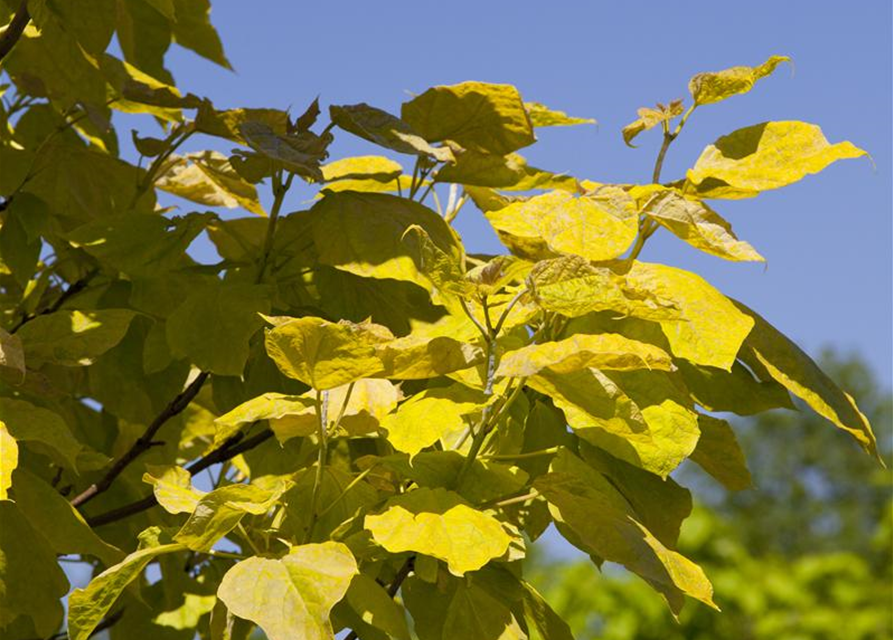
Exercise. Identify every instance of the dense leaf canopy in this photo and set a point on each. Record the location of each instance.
(433, 411)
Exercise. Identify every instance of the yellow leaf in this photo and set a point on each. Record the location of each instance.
(376, 168)
(581, 351)
(790, 366)
(325, 354)
(291, 597)
(693, 221)
(416, 356)
(711, 328)
(650, 118)
(172, 486)
(710, 87)
(9, 460)
(484, 117)
(597, 226)
(573, 287)
(288, 415)
(437, 523)
(430, 415)
(543, 116)
(369, 402)
(510, 172)
(763, 157)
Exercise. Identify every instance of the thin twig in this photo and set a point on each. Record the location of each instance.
(73, 289)
(228, 450)
(144, 442)
(14, 29)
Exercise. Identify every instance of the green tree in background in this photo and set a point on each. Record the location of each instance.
(805, 555)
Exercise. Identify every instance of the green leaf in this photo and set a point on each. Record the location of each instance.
(737, 390)
(573, 287)
(431, 415)
(375, 611)
(9, 460)
(475, 613)
(489, 118)
(172, 486)
(88, 606)
(304, 585)
(695, 222)
(437, 523)
(763, 157)
(61, 524)
(602, 522)
(385, 130)
(710, 87)
(31, 582)
(73, 338)
(12, 357)
(362, 233)
(325, 354)
(41, 428)
(537, 611)
(219, 511)
(597, 226)
(445, 273)
(581, 351)
(640, 417)
(650, 118)
(213, 325)
(796, 371)
(140, 246)
(720, 455)
(192, 29)
(299, 153)
(711, 329)
(543, 116)
(20, 253)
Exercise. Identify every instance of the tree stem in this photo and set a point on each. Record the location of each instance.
(14, 29)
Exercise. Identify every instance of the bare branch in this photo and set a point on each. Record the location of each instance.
(14, 29)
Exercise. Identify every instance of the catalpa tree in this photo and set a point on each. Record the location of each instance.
(388, 420)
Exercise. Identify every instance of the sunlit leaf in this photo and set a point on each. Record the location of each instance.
(208, 178)
(695, 222)
(710, 87)
(219, 511)
(581, 351)
(436, 522)
(326, 354)
(489, 118)
(543, 116)
(42, 429)
(9, 460)
(650, 118)
(430, 415)
(172, 486)
(763, 157)
(376, 168)
(289, 416)
(304, 585)
(600, 226)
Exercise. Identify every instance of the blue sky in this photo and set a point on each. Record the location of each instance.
(827, 239)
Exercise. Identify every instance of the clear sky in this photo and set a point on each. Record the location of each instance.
(827, 239)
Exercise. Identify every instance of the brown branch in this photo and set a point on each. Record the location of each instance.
(14, 29)
(230, 449)
(73, 289)
(144, 442)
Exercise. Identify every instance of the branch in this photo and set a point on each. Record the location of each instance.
(144, 442)
(228, 450)
(14, 29)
